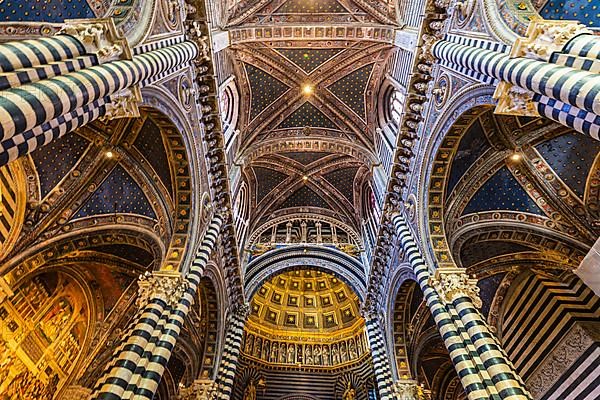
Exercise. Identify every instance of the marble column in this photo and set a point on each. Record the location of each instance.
(232, 346)
(52, 86)
(469, 367)
(460, 292)
(165, 298)
(381, 360)
(553, 72)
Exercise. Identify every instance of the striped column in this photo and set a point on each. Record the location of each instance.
(572, 86)
(29, 106)
(149, 342)
(566, 88)
(459, 293)
(24, 54)
(471, 371)
(148, 373)
(381, 361)
(231, 350)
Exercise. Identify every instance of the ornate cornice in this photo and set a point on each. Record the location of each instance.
(205, 94)
(436, 12)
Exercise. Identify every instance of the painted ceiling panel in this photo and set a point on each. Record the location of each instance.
(343, 180)
(309, 59)
(488, 287)
(132, 253)
(306, 157)
(267, 180)
(119, 193)
(313, 6)
(265, 89)
(585, 11)
(56, 159)
(351, 89)
(307, 115)
(571, 156)
(149, 142)
(48, 10)
(472, 145)
(472, 253)
(304, 197)
(502, 192)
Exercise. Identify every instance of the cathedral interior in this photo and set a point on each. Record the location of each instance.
(300, 199)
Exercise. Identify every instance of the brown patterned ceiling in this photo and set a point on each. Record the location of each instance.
(343, 74)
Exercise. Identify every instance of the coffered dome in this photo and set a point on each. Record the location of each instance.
(305, 302)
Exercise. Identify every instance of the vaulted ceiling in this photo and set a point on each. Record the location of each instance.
(308, 84)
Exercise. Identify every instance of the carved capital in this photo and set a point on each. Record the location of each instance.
(513, 100)
(370, 309)
(100, 37)
(452, 283)
(240, 311)
(408, 389)
(123, 104)
(200, 389)
(545, 37)
(167, 285)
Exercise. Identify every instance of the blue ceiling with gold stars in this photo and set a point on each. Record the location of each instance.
(343, 180)
(585, 11)
(472, 145)
(306, 157)
(473, 253)
(313, 6)
(267, 179)
(304, 197)
(264, 88)
(502, 192)
(56, 159)
(571, 156)
(307, 115)
(309, 59)
(149, 142)
(351, 89)
(47, 10)
(119, 193)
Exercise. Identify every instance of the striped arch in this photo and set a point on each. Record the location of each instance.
(329, 260)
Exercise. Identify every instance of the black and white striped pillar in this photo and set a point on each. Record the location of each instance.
(140, 361)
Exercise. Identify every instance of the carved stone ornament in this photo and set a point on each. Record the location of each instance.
(513, 100)
(100, 37)
(408, 389)
(370, 310)
(545, 37)
(168, 285)
(452, 283)
(124, 104)
(240, 311)
(200, 389)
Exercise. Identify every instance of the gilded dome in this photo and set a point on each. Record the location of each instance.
(307, 301)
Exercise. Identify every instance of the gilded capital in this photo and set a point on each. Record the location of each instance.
(167, 285)
(545, 37)
(452, 283)
(100, 37)
(200, 389)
